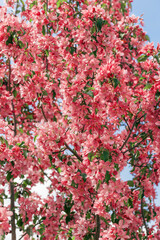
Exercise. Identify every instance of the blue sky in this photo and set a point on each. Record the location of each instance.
(151, 17)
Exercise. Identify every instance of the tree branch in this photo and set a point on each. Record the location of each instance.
(41, 107)
(136, 145)
(142, 212)
(127, 124)
(47, 33)
(13, 210)
(74, 152)
(97, 234)
(45, 174)
(32, 227)
(14, 116)
(13, 225)
(130, 131)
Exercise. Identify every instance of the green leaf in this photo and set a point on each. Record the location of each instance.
(157, 95)
(21, 130)
(105, 22)
(95, 52)
(45, 7)
(96, 110)
(88, 215)
(9, 176)
(20, 144)
(26, 182)
(41, 230)
(47, 52)
(113, 179)
(23, 5)
(69, 163)
(90, 156)
(93, 29)
(107, 177)
(141, 194)
(142, 58)
(105, 155)
(99, 24)
(130, 183)
(87, 117)
(59, 3)
(72, 50)
(130, 203)
(116, 166)
(148, 86)
(45, 93)
(50, 157)
(75, 98)
(20, 44)
(35, 219)
(121, 35)
(90, 93)
(73, 184)
(29, 116)
(116, 82)
(43, 30)
(147, 38)
(14, 93)
(8, 28)
(113, 217)
(157, 58)
(83, 175)
(41, 180)
(98, 184)
(54, 94)
(123, 7)
(32, 4)
(9, 40)
(20, 222)
(59, 170)
(35, 137)
(25, 153)
(16, 195)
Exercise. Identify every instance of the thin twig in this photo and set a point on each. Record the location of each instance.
(74, 152)
(45, 174)
(41, 107)
(32, 227)
(14, 116)
(127, 124)
(142, 212)
(47, 33)
(135, 145)
(130, 132)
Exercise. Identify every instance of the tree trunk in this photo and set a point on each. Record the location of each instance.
(13, 211)
(97, 234)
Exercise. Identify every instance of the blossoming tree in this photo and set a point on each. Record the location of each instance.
(79, 101)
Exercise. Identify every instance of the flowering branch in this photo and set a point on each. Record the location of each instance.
(136, 145)
(130, 132)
